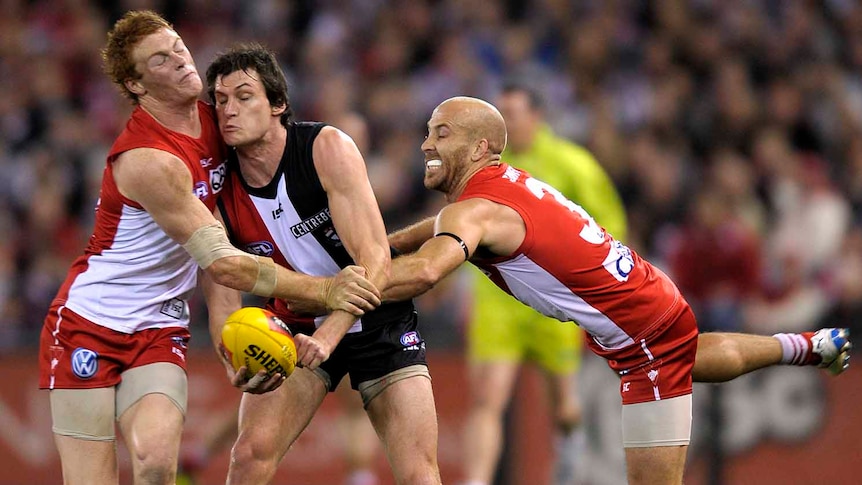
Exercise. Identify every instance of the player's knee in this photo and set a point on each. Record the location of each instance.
(156, 466)
(252, 458)
(419, 466)
(424, 472)
(733, 360)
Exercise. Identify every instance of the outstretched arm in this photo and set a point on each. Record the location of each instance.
(162, 184)
(412, 237)
(418, 272)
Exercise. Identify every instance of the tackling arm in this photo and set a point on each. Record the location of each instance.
(417, 273)
(162, 184)
(412, 237)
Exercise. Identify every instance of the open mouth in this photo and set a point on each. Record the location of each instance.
(436, 163)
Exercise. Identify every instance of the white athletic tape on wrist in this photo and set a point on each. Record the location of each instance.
(210, 243)
(267, 277)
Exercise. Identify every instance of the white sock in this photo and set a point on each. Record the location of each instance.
(794, 348)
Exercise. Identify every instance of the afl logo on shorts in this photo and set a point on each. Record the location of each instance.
(410, 338)
(85, 363)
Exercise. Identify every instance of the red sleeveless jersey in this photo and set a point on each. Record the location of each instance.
(571, 269)
(132, 275)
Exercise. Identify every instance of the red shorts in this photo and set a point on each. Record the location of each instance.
(83, 355)
(660, 367)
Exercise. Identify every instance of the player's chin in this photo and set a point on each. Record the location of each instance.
(233, 138)
(432, 181)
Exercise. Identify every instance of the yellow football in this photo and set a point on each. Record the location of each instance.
(257, 339)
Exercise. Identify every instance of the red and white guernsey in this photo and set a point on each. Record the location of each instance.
(132, 276)
(570, 269)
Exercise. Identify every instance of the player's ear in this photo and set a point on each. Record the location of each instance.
(278, 110)
(479, 150)
(135, 87)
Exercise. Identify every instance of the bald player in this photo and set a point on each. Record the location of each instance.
(549, 254)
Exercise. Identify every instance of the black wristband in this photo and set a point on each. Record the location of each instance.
(463, 245)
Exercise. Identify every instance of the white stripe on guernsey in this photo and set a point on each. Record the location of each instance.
(646, 350)
(305, 254)
(126, 286)
(532, 285)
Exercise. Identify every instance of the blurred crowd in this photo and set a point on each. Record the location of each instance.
(732, 129)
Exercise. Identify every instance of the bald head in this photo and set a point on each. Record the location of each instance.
(479, 118)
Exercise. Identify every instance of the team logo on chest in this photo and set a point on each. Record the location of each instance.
(261, 248)
(85, 363)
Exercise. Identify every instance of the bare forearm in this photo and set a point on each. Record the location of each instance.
(411, 238)
(410, 278)
(375, 258)
(221, 302)
(334, 328)
(243, 273)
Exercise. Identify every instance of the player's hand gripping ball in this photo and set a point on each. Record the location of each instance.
(257, 339)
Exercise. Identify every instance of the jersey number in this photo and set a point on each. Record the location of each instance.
(619, 261)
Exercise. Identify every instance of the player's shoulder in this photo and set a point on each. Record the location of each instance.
(329, 135)
(473, 209)
(150, 163)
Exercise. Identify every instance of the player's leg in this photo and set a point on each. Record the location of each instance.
(656, 433)
(656, 436)
(84, 434)
(661, 465)
(151, 403)
(401, 408)
(657, 402)
(82, 382)
(725, 356)
(387, 366)
(269, 423)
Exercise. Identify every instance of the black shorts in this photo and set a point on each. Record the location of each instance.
(388, 345)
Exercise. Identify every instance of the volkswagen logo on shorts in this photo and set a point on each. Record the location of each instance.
(85, 363)
(410, 338)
